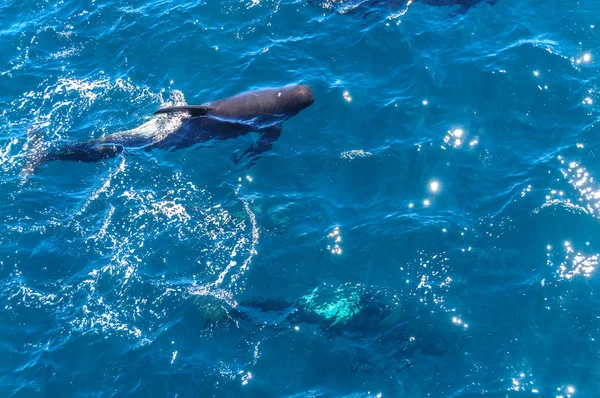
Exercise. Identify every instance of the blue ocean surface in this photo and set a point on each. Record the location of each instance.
(427, 228)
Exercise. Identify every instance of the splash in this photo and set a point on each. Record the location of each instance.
(128, 283)
(355, 154)
(54, 109)
(232, 271)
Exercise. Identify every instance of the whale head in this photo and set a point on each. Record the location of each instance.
(304, 95)
(294, 98)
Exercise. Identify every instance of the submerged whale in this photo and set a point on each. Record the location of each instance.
(362, 315)
(349, 6)
(261, 111)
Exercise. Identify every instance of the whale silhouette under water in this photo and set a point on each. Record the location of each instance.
(364, 6)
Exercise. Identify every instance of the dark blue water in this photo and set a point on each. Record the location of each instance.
(428, 228)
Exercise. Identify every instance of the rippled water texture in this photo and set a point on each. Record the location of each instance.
(428, 227)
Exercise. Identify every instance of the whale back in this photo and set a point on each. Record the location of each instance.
(268, 103)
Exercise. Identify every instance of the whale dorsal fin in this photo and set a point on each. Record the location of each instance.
(194, 111)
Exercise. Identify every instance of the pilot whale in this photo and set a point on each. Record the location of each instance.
(360, 6)
(261, 111)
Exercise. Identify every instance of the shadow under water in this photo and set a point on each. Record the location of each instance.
(366, 7)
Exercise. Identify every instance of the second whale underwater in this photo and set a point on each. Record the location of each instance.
(362, 6)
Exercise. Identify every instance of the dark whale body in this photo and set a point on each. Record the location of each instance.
(260, 111)
(367, 6)
(366, 319)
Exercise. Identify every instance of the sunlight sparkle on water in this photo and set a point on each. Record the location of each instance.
(454, 138)
(515, 384)
(336, 237)
(585, 58)
(246, 378)
(458, 321)
(574, 263)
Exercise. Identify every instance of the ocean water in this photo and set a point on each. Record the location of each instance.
(427, 228)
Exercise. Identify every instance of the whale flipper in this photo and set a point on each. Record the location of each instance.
(264, 143)
(194, 111)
